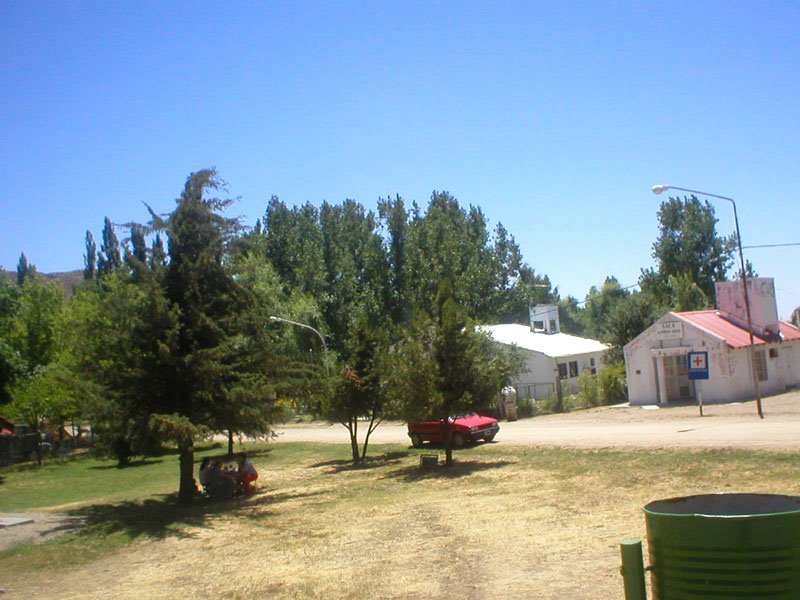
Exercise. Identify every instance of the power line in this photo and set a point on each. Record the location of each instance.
(773, 245)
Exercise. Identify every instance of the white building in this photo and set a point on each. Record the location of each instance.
(553, 360)
(656, 361)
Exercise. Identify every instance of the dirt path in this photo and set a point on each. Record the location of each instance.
(723, 426)
(37, 527)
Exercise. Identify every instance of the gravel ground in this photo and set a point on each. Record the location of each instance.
(722, 426)
(45, 526)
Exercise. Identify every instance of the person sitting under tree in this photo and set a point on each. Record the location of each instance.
(246, 475)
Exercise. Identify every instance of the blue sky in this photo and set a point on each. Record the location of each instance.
(556, 118)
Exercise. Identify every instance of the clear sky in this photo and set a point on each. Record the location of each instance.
(555, 117)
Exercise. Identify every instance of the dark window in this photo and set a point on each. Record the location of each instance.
(573, 368)
(773, 353)
(761, 365)
(562, 371)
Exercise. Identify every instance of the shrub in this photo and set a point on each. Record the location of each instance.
(589, 393)
(613, 385)
(526, 407)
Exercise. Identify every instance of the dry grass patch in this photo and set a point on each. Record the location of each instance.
(502, 523)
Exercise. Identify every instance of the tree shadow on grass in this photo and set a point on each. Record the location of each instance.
(154, 518)
(459, 468)
(131, 465)
(161, 517)
(370, 462)
(154, 459)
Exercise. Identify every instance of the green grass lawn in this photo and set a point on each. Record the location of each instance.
(554, 506)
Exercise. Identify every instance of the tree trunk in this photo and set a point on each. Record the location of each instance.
(370, 429)
(352, 427)
(187, 489)
(447, 431)
(230, 442)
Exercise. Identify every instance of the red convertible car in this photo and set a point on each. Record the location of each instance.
(466, 428)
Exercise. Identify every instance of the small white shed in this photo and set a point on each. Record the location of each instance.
(656, 361)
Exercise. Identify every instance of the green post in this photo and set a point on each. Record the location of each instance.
(633, 569)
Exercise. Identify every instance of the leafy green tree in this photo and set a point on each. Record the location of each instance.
(90, 258)
(272, 368)
(357, 392)
(44, 397)
(688, 243)
(355, 269)
(109, 258)
(120, 340)
(11, 363)
(394, 219)
(600, 305)
(182, 353)
(571, 316)
(445, 367)
(630, 317)
(24, 270)
(34, 330)
(292, 241)
(158, 255)
(136, 253)
(450, 243)
(685, 294)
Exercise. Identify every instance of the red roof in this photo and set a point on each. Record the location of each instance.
(713, 322)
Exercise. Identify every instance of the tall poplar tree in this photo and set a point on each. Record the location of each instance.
(90, 258)
(109, 258)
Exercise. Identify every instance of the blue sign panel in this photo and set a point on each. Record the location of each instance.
(698, 365)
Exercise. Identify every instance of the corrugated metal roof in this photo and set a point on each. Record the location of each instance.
(713, 322)
(553, 344)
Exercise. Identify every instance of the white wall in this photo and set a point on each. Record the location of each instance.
(730, 372)
(541, 369)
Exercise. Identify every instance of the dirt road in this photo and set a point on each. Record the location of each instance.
(723, 426)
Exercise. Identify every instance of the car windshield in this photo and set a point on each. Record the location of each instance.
(462, 416)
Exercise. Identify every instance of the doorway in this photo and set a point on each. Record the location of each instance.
(676, 378)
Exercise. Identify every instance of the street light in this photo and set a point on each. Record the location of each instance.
(304, 326)
(658, 189)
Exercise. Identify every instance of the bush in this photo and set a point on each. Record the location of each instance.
(607, 387)
(613, 385)
(526, 407)
(589, 393)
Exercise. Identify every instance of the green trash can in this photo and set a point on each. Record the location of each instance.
(724, 546)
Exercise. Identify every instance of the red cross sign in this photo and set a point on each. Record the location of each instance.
(698, 365)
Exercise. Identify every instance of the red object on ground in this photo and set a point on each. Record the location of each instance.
(466, 429)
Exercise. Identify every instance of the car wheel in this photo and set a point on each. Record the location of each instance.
(416, 440)
(459, 441)
(489, 438)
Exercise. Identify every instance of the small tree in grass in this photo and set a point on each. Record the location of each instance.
(357, 392)
(445, 367)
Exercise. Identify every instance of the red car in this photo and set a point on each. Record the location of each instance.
(466, 428)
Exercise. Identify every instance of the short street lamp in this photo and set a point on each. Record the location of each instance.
(658, 189)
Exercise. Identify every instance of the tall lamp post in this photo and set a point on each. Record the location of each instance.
(658, 189)
(309, 327)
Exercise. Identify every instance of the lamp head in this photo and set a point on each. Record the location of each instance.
(659, 189)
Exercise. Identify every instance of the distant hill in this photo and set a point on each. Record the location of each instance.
(68, 280)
